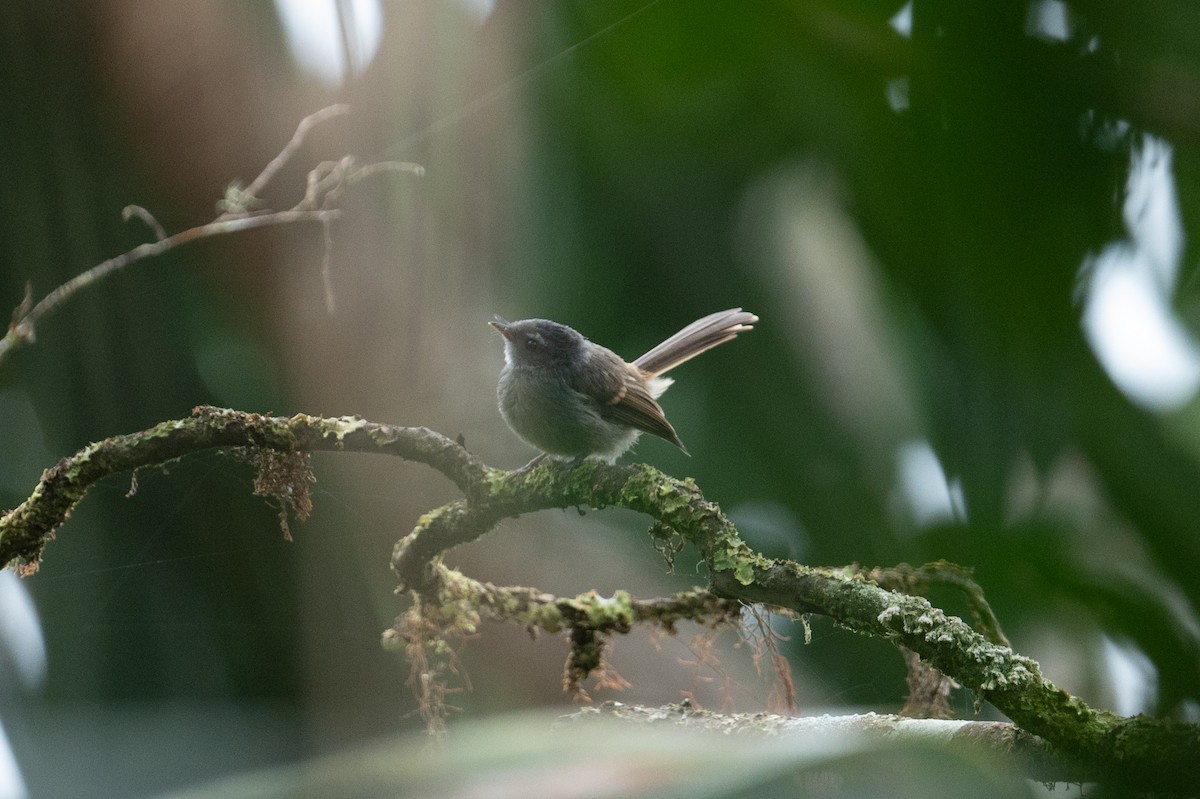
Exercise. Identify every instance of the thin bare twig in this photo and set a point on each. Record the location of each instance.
(327, 269)
(302, 130)
(324, 186)
(22, 330)
(130, 211)
(329, 179)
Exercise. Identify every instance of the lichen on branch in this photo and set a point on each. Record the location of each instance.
(445, 601)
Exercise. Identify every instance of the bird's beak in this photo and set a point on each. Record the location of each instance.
(503, 327)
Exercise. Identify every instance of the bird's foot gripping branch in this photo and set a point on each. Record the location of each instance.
(446, 605)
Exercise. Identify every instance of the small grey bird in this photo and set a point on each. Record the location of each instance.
(574, 399)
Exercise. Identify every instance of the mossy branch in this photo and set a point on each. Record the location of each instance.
(1149, 752)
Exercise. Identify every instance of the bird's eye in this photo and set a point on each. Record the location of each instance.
(532, 344)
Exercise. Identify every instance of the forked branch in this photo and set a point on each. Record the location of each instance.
(1150, 752)
(240, 211)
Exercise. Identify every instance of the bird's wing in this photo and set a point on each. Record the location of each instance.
(623, 395)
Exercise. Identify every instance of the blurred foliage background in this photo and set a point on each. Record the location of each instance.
(968, 229)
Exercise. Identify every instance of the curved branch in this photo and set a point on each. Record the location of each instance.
(325, 185)
(26, 529)
(22, 330)
(294, 144)
(1145, 751)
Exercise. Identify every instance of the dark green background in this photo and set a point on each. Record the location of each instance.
(623, 168)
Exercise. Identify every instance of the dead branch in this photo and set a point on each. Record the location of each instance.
(324, 187)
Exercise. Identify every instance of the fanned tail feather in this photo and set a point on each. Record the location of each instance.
(701, 335)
